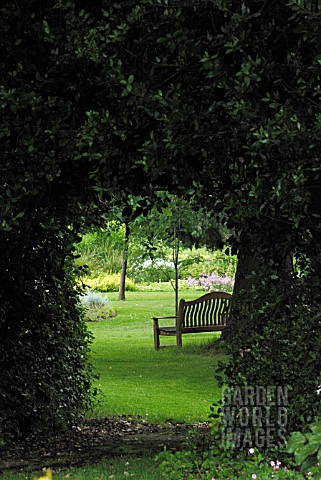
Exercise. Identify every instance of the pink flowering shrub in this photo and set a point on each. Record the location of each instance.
(212, 281)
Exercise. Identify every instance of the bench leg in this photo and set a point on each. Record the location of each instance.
(156, 339)
(179, 339)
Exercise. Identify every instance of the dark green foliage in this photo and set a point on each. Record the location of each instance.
(45, 379)
(306, 447)
(279, 348)
(204, 457)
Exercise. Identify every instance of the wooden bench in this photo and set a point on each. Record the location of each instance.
(208, 313)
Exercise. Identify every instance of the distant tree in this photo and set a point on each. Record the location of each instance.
(133, 212)
(174, 223)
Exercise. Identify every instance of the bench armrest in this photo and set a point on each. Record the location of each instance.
(155, 319)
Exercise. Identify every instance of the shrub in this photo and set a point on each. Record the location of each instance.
(101, 250)
(45, 342)
(279, 347)
(218, 262)
(192, 263)
(211, 282)
(162, 286)
(106, 282)
(94, 300)
(306, 447)
(98, 306)
(204, 457)
(150, 271)
(98, 314)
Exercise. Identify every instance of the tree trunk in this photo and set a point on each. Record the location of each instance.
(122, 284)
(244, 279)
(176, 247)
(247, 270)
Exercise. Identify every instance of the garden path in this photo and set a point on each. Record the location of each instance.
(96, 440)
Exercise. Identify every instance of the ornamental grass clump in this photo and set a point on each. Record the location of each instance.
(95, 300)
(98, 306)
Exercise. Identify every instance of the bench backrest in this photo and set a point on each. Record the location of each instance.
(209, 310)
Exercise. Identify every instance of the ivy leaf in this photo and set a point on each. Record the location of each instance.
(46, 27)
(296, 440)
(316, 429)
(305, 451)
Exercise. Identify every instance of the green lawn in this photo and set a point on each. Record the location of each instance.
(136, 380)
(119, 468)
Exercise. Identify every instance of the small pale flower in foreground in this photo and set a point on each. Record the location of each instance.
(251, 451)
(254, 476)
(276, 465)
